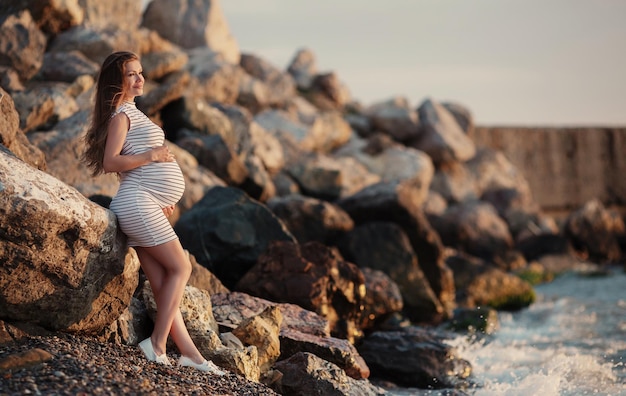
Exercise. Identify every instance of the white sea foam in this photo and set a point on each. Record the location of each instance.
(571, 342)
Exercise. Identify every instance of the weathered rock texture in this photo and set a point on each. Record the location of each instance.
(53, 237)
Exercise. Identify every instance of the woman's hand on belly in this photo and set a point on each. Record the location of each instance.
(168, 210)
(161, 154)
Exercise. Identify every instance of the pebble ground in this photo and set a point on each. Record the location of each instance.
(84, 366)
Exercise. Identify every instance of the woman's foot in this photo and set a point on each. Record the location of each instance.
(148, 350)
(206, 365)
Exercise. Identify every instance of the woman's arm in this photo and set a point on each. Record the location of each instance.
(114, 161)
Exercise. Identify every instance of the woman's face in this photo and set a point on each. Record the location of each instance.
(133, 80)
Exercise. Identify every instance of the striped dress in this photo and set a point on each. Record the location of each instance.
(146, 190)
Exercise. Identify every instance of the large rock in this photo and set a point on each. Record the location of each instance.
(267, 148)
(311, 219)
(303, 68)
(196, 310)
(64, 263)
(462, 115)
(401, 203)
(192, 24)
(320, 133)
(213, 78)
(441, 137)
(54, 16)
(395, 118)
(385, 246)
(329, 131)
(481, 284)
(280, 85)
(306, 374)
(171, 88)
(112, 14)
(67, 66)
(36, 108)
(13, 138)
(596, 231)
(212, 152)
(392, 161)
(300, 330)
(231, 309)
(95, 45)
(22, 44)
(262, 331)
(535, 246)
(312, 276)
(253, 93)
(203, 279)
(474, 227)
(493, 171)
(63, 147)
(237, 358)
(382, 298)
(335, 350)
(414, 357)
(327, 92)
(196, 115)
(159, 64)
(329, 178)
(131, 327)
(455, 183)
(224, 139)
(227, 231)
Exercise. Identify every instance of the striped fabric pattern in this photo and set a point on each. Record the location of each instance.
(146, 190)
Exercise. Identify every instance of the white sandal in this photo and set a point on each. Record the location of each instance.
(206, 365)
(148, 350)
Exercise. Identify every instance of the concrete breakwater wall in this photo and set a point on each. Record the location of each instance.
(565, 167)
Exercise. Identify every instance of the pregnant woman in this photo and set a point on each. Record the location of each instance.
(124, 140)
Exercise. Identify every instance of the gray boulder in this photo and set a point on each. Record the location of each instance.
(312, 276)
(227, 231)
(385, 246)
(306, 374)
(22, 44)
(395, 118)
(311, 219)
(192, 24)
(13, 138)
(479, 283)
(414, 357)
(400, 203)
(596, 232)
(440, 136)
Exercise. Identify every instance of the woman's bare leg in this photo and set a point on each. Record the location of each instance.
(168, 269)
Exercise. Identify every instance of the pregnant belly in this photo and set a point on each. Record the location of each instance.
(164, 180)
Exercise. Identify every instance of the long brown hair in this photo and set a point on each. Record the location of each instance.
(109, 90)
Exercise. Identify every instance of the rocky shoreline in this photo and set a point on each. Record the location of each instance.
(333, 244)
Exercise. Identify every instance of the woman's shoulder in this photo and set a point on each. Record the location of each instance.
(119, 120)
(126, 107)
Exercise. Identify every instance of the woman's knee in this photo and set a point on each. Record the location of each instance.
(186, 268)
(182, 266)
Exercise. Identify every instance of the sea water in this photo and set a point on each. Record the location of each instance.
(571, 341)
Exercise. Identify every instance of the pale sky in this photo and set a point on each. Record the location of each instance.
(511, 62)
